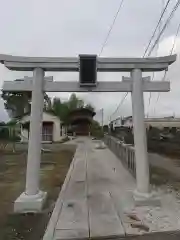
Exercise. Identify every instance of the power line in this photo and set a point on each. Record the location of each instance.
(119, 105)
(111, 27)
(159, 22)
(165, 26)
(160, 34)
(174, 42)
(171, 52)
(105, 42)
(158, 38)
(159, 27)
(163, 79)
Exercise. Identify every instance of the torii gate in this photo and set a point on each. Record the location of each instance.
(32, 199)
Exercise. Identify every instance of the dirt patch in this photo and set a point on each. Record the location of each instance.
(54, 167)
(165, 148)
(160, 176)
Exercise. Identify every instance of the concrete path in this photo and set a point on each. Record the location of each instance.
(96, 201)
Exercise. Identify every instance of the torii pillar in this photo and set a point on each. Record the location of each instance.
(34, 146)
(32, 199)
(142, 194)
(140, 140)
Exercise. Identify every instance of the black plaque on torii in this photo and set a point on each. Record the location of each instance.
(88, 70)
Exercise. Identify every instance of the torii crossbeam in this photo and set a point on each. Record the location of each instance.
(32, 199)
(57, 86)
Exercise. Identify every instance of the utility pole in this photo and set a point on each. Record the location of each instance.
(102, 117)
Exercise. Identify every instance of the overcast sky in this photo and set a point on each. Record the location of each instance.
(71, 27)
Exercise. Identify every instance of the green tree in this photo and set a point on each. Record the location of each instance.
(56, 106)
(19, 103)
(96, 129)
(90, 107)
(47, 102)
(74, 102)
(16, 103)
(4, 133)
(105, 128)
(60, 109)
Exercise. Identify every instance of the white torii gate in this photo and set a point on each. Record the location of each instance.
(32, 199)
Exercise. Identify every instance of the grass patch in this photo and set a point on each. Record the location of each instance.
(160, 176)
(54, 167)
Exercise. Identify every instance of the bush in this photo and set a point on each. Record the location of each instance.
(96, 130)
(8, 133)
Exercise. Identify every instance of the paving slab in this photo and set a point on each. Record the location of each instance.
(97, 201)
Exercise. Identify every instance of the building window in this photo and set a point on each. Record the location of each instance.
(61, 130)
(47, 133)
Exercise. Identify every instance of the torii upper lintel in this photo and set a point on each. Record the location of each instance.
(19, 63)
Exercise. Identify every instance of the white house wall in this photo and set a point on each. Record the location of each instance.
(164, 124)
(46, 118)
(157, 123)
(56, 130)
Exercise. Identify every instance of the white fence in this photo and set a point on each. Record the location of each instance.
(124, 152)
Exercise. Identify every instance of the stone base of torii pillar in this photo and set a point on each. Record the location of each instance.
(146, 199)
(33, 203)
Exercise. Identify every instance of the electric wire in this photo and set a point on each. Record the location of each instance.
(156, 28)
(111, 27)
(171, 52)
(157, 41)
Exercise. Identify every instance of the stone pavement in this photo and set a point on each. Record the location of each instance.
(96, 201)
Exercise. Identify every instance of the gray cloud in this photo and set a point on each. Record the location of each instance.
(70, 27)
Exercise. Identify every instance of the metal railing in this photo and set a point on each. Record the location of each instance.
(125, 152)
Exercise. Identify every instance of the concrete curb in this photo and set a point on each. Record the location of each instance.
(58, 206)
